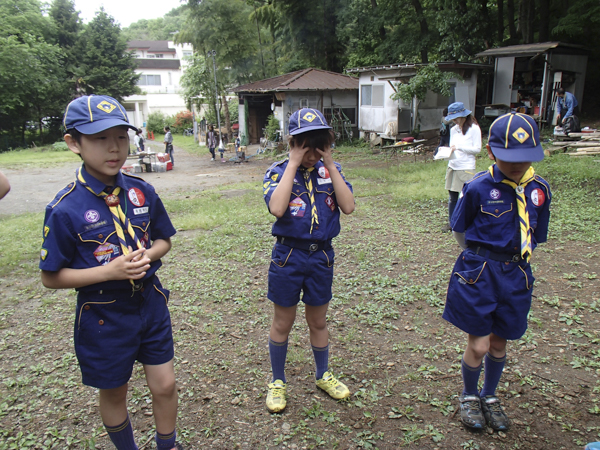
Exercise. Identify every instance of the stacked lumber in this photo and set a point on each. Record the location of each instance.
(583, 144)
(588, 145)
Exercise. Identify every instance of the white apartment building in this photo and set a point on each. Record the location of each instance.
(161, 64)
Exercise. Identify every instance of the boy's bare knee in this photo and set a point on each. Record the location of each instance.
(164, 387)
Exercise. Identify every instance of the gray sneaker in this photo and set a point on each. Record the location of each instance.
(494, 414)
(470, 411)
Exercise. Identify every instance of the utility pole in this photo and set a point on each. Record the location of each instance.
(213, 53)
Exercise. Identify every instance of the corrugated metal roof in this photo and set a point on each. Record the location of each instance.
(157, 63)
(302, 80)
(527, 49)
(151, 46)
(444, 65)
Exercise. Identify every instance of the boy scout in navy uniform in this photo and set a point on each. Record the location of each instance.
(500, 218)
(104, 235)
(306, 195)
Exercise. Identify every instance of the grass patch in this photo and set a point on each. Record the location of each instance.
(20, 239)
(38, 157)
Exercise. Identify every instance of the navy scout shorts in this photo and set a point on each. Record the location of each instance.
(486, 296)
(293, 270)
(113, 329)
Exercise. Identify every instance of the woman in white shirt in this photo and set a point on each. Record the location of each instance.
(465, 142)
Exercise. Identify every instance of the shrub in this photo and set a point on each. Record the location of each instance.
(157, 122)
(181, 121)
(272, 128)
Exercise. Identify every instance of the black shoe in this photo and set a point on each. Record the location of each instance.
(494, 414)
(470, 411)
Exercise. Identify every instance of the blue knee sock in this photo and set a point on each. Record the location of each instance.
(470, 377)
(491, 374)
(122, 435)
(321, 355)
(278, 354)
(165, 441)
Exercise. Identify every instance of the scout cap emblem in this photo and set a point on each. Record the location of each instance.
(92, 114)
(514, 137)
(307, 119)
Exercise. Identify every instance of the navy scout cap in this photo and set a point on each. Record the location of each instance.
(92, 114)
(514, 137)
(307, 119)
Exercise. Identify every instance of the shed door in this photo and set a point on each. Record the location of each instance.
(503, 80)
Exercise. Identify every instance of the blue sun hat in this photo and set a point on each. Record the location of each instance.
(457, 109)
(307, 119)
(92, 114)
(514, 137)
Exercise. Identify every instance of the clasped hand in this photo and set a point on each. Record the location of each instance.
(132, 266)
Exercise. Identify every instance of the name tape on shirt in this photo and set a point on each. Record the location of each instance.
(138, 211)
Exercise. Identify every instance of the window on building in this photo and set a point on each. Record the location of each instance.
(187, 53)
(150, 55)
(149, 80)
(159, 55)
(371, 95)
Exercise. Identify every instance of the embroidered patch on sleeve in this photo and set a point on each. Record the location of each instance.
(43, 254)
(46, 231)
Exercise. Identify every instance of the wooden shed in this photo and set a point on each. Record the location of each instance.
(527, 76)
(332, 93)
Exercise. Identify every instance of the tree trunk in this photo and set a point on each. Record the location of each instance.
(526, 17)
(500, 25)
(424, 29)
(227, 119)
(510, 5)
(544, 21)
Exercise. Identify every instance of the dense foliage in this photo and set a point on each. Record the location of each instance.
(47, 58)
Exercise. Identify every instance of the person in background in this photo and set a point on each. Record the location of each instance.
(4, 185)
(138, 140)
(211, 141)
(169, 144)
(465, 142)
(566, 105)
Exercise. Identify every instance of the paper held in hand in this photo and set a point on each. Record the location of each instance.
(444, 153)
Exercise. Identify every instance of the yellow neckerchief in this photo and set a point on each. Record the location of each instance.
(522, 210)
(314, 218)
(119, 219)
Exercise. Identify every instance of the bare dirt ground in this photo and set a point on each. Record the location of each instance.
(399, 358)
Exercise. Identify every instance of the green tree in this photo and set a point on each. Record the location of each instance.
(105, 65)
(160, 29)
(428, 78)
(31, 72)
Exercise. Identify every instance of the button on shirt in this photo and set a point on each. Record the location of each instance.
(79, 231)
(295, 222)
(487, 212)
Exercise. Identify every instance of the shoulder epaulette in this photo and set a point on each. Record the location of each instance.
(543, 183)
(477, 175)
(275, 164)
(62, 194)
(133, 176)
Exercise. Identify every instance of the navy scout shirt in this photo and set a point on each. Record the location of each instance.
(295, 223)
(79, 231)
(487, 212)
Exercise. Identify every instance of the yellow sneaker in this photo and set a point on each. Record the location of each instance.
(335, 388)
(276, 396)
